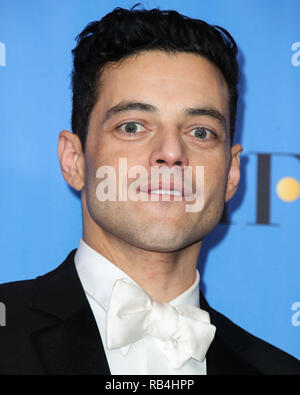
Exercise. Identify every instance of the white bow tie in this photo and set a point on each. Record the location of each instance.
(182, 332)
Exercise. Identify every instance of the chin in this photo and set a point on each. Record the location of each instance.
(161, 246)
(160, 239)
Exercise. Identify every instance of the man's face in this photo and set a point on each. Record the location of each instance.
(167, 130)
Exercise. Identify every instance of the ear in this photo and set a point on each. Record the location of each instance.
(234, 172)
(71, 159)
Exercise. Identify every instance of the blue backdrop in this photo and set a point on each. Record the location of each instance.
(250, 268)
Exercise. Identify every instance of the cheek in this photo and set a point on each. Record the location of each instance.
(100, 154)
(215, 178)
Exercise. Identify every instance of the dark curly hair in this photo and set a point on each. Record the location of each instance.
(123, 32)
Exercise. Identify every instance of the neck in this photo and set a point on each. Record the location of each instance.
(163, 275)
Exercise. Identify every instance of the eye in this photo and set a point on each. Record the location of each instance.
(131, 128)
(202, 133)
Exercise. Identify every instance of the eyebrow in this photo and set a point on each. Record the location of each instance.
(207, 111)
(126, 106)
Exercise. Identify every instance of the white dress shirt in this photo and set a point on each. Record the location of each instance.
(98, 276)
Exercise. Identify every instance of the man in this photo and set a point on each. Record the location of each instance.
(152, 90)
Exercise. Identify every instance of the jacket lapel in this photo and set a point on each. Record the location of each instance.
(65, 334)
(224, 354)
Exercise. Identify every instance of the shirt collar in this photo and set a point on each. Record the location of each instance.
(98, 276)
(190, 297)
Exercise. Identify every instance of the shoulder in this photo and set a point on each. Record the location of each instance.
(17, 297)
(262, 355)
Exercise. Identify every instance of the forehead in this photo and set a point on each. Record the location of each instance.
(166, 80)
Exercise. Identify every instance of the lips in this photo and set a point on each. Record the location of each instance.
(166, 189)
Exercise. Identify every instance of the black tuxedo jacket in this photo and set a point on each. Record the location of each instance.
(50, 329)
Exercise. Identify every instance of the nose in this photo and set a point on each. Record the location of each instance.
(169, 150)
